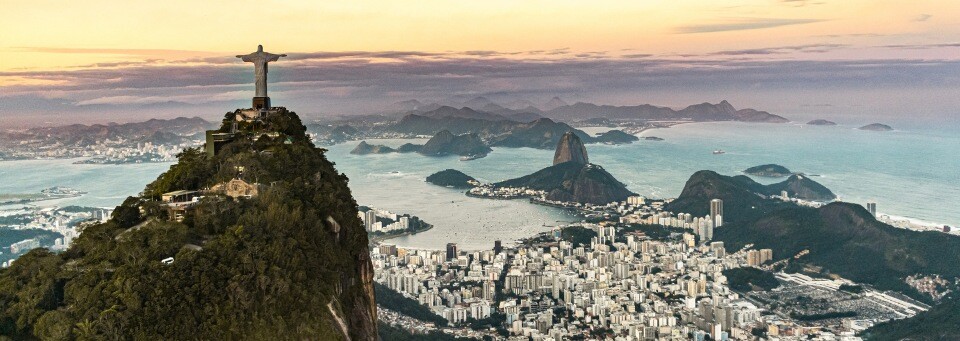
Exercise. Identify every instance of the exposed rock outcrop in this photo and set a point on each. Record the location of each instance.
(570, 149)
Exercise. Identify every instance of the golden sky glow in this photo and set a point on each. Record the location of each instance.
(43, 34)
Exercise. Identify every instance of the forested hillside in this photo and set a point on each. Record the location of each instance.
(291, 260)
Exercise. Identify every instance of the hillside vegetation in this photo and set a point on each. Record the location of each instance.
(291, 261)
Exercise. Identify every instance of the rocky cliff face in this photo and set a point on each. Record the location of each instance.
(570, 149)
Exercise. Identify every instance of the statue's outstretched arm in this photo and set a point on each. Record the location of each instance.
(274, 57)
(245, 57)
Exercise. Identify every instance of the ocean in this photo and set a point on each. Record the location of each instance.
(913, 174)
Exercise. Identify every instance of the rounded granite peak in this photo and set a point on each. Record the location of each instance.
(570, 148)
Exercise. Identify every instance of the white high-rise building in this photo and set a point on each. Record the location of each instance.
(370, 218)
(716, 210)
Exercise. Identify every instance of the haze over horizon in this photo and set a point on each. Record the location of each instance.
(855, 61)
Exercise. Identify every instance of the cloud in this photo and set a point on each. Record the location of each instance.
(809, 48)
(187, 99)
(922, 17)
(125, 52)
(743, 24)
(922, 46)
(801, 3)
(353, 82)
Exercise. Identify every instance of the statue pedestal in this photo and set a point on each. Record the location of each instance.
(261, 103)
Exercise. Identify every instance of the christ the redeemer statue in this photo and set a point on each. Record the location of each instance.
(260, 60)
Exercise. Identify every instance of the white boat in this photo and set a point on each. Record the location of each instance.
(718, 152)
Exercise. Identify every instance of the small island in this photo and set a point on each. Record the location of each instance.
(365, 148)
(653, 138)
(769, 170)
(821, 122)
(452, 178)
(876, 127)
(446, 143)
(616, 137)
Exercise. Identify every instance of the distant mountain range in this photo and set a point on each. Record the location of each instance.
(557, 109)
(157, 131)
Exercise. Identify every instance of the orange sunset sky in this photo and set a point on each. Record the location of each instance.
(131, 56)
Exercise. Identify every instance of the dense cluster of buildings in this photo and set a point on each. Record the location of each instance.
(617, 285)
(61, 221)
(376, 220)
(141, 153)
(108, 151)
(497, 192)
(620, 285)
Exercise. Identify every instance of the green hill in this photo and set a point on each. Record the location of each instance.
(451, 178)
(290, 261)
(942, 322)
(802, 187)
(743, 198)
(739, 195)
(845, 239)
(841, 238)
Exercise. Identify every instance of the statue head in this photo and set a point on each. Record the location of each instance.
(259, 48)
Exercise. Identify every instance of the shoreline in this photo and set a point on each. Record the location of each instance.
(378, 239)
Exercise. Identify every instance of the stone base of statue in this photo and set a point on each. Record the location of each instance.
(261, 103)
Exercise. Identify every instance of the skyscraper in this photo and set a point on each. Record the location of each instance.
(451, 251)
(716, 211)
(497, 247)
(872, 208)
(370, 218)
